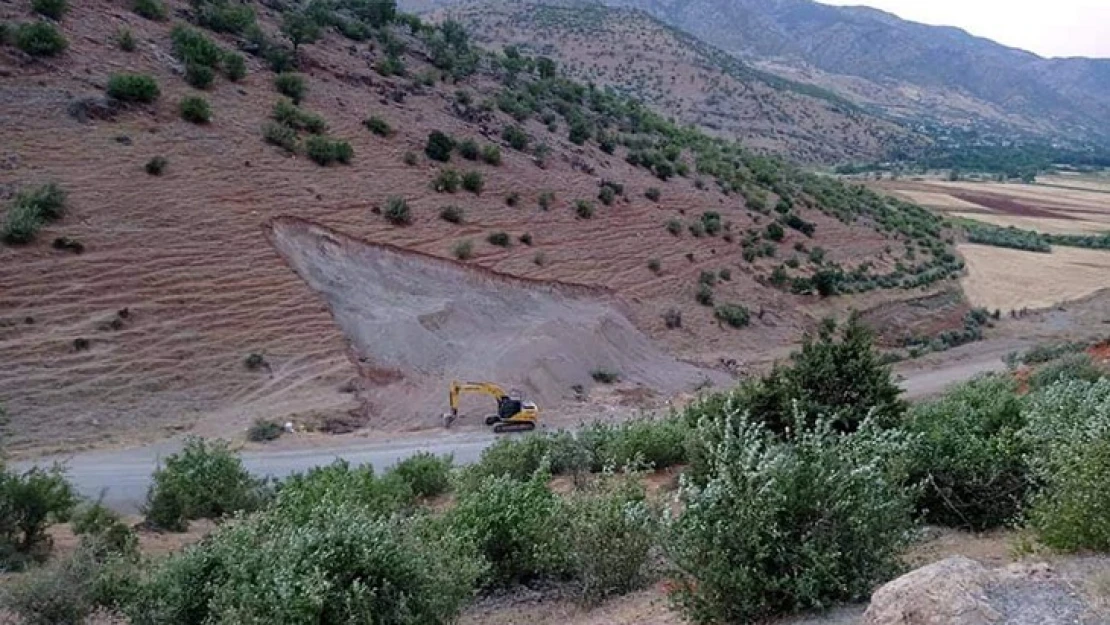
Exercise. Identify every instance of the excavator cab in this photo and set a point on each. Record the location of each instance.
(514, 413)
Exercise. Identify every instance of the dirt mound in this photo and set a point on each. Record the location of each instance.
(414, 322)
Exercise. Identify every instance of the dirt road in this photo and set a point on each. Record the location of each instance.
(123, 476)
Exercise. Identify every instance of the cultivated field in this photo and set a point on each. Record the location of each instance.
(1007, 279)
(1063, 204)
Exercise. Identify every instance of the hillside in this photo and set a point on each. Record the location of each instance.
(156, 304)
(936, 74)
(680, 76)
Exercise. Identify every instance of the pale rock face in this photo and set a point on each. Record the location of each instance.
(949, 592)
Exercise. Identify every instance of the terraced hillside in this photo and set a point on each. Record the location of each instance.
(150, 301)
(685, 78)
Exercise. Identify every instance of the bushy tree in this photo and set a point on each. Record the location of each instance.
(968, 455)
(1068, 432)
(29, 502)
(835, 374)
(300, 28)
(439, 146)
(204, 480)
(40, 39)
(779, 527)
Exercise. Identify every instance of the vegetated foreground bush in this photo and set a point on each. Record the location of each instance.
(1068, 432)
(29, 502)
(203, 480)
(348, 563)
(195, 109)
(426, 474)
(968, 456)
(325, 151)
(784, 526)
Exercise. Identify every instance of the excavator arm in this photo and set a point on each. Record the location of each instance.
(487, 388)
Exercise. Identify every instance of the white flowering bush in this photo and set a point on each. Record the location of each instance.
(1068, 431)
(779, 526)
(518, 527)
(341, 564)
(613, 531)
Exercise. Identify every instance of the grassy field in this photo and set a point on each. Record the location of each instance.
(1007, 279)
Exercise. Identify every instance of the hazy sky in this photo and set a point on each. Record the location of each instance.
(1047, 27)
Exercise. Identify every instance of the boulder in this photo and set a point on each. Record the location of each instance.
(948, 592)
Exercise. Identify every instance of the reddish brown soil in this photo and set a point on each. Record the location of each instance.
(1009, 206)
(184, 254)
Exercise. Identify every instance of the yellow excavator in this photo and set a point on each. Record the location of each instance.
(514, 414)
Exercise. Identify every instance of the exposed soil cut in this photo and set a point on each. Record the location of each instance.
(414, 322)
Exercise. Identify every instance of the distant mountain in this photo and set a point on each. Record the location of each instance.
(696, 83)
(939, 74)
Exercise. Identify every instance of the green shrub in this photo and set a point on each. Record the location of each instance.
(156, 165)
(1070, 367)
(584, 209)
(472, 181)
(612, 531)
(780, 527)
(133, 88)
(325, 151)
(674, 226)
(439, 146)
(68, 589)
(54, 9)
(199, 76)
(639, 443)
(775, 232)
(704, 296)
(1068, 432)
(515, 458)
(225, 17)
(150, 9)
(104, 533)
(697, 229)
(655, 265)
(204, 480)
(29, 503)
(491, 154)
(653, 194)
(292, 86)
(302, 495)
(500, 239)
(409, 158)
(397, 211)
(725, 274)
(734, 315)
(30, 211)
(126, 40)
(348, 564)
(517, 526)
(447, 181)
(516, 137)
(606, 195)
(451, 214)
(235, 67)
(463, 250)
(526, 238)
(264, 430)
(391, 66)
(605, 376)
(288, 114)
(426, 474)
(968, 456)
(468, 149)
(195, 109)
(378, 126)
(192, 47)
(841, 376)
(707, 277)
(281, 136)
(40, 39)
(545, 200)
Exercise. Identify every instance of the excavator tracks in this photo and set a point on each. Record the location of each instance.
(509, 426)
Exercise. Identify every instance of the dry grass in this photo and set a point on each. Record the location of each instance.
(1006, 279)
